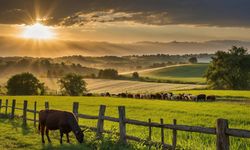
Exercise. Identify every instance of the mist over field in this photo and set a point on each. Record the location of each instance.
(10, 46)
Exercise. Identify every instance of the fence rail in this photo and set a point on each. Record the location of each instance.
(222, 131)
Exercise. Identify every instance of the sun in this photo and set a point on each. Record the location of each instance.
(38, 31)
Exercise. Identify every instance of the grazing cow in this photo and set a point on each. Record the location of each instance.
(153, 96)
(137, 96)
(211, 98)
(165, 96)
(201, 97)
(193, 97)
(107, 94)
(189, 97)
(59, 120)
(130, 95)
(158, 96)
(182, 96)
(89, 94)
(175, 97)
(123, 95)
(169, 96)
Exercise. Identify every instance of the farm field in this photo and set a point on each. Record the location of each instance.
(186, 113)
(117, 86)
(183, 73)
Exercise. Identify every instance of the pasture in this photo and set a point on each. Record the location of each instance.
(188, 113)
(229, 95)
(118, 86)
(183, 73)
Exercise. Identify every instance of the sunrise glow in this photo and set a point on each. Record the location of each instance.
(38, 31)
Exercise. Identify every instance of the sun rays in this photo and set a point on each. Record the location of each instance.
(38, 31)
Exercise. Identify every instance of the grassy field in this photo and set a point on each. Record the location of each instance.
(118, 86)
(184, 73)
(188, 113)
(223, 94)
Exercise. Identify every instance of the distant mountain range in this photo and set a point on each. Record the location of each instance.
(10, 46)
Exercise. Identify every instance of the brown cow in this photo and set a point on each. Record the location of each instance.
(59, 120)
(201, 97)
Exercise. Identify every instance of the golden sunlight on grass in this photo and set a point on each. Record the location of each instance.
(38, 31)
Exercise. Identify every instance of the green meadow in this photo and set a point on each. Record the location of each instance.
(184, 73)
(186, 113)
(232, 95)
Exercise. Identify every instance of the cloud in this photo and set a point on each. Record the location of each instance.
(81, 18)
(226, 13)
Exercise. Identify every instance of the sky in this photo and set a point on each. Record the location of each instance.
(128, 21)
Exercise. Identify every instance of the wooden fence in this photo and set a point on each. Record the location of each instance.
(222, 131)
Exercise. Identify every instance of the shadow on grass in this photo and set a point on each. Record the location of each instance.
(16, 123)
(239, 99)
(65, 147)
(91, 145)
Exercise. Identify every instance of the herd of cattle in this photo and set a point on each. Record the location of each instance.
(163, 96)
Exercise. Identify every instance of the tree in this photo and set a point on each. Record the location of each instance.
(25, 84)
(193, 60)
(73, 85)
(229, 70)
(135, 75)
(2, 90)
(108, 74)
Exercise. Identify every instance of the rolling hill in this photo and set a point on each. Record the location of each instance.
(182, 73)
(59, 48)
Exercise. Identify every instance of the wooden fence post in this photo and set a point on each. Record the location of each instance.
(46, 105)
(122, 124)
(222, 142)
(25, 104)
(174, 140)
(149, 130)
(35, 114)
(0, 105)
(12, 115)
(100, 122)
(149, 133)
(162, 132)
(6, 106)
(75, 109)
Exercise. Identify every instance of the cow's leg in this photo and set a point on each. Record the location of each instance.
(42, 133)
(67, 134)
(47, 134)
(61, 136)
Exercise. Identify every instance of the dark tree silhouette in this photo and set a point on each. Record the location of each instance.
(25, 84)
(73, 85)
(193, 60)
(108, 74)
(135, 75)
(229, 70)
